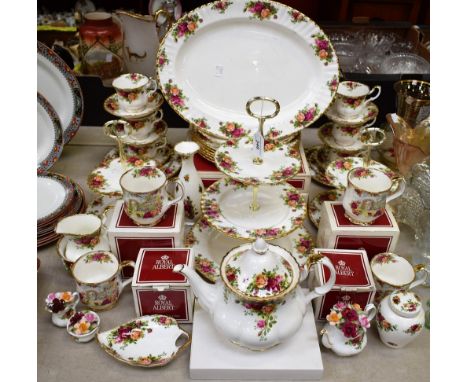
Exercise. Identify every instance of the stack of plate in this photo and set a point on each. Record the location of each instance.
(57, 197)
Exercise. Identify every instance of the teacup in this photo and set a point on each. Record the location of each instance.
(135, 155)
(352, 97)
(143, 128)
(98, 279)
(62, 306)
(346, 135)
(392, 272)
(146, 195)
(367, 193)
(132, 91)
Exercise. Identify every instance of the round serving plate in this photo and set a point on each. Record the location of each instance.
(209, 247)
(58, 84)
(226, 206)
(105, 178)
(314, 207)
(238, 160)
(49, 135)
(55, 194)
(218, 56)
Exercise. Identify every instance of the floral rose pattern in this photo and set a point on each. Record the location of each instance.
(413, 329)
(322, 48)
(232, 129)
(206, 267)
(221, 6)
(128, 333)
(97, 181)
(363, 173)
(268, 283)
(266, 317)
(226, 162)
(175, 95)
(231, 275)
(383, 324)
(304, 245)
(200, 123)
(284, 172)
(57, 302)
(261, 10)
(189, 208)
(211, 209)
(366, 207)
(129, 96)
(162, 59)
(293, 199)
(82, 323)
(296, 16)
(409, 306)
(353, 103)
(384, 258)
(98, 257)
(349, 130)
(87, 241)
(305, 116)
(146, 207)
(343, 165)
(333, 84)
(112, 103)
(146, 172)
(150, 359)
(186, 26)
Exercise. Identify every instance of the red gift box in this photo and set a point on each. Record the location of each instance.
(158, 290)
(338, 232)
(354, 281)
(209, 173)
(126, 238)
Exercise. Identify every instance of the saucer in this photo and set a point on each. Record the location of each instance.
(104, 179)
(326, 155)
(337, 171)
(316, 173)
(325, 134)
(210, 245)
(112, 106)
(315, 205)
(100, 204)
(369, 112)
(226, 207)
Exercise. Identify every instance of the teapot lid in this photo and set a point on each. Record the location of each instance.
(260, 272)
(405, 303)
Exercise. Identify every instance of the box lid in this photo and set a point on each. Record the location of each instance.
(352, 268)
(154, 266)
(339, 220)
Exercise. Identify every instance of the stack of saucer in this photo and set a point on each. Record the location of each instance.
(58, 196)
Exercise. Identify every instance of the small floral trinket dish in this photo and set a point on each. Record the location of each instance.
(83, 325)
(62, 306)
(148, 341)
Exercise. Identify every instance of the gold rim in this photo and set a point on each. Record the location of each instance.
(371, 192)
(280, 5)
(342, 121)
(94, 233)
(385, 282)
(147, 192)
(99, 282)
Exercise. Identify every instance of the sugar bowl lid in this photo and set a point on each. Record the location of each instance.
(392, 269)
(260, 272)
(405, 303)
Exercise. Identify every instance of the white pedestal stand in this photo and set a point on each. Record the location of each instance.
(214, 357)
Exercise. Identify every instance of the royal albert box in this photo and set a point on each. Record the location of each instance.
(126, 238)
(336, 231)
(209, 173)
(354, 282)
(158, 290)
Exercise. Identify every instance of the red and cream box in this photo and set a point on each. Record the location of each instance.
(337, 232)
(209, 173)
(354, 282)
(126, 238)
(158, 290)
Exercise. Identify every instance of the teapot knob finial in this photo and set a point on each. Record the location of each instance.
(260, 246)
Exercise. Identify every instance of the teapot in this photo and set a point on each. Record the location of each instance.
(256, 302)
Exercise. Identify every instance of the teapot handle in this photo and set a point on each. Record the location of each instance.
(423, 273)
(321, 290)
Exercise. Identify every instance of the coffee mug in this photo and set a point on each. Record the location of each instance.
(146, 196)
(98, 279)
(346, 135)
(367, 193)
(352, 97)
(132, 91)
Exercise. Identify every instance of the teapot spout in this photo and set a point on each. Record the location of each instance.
(206, 293)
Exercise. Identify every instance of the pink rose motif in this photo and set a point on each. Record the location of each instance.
(258, 7)
(364, 321)
(176, 100)
(89, 317)
(237, 133)
(322, 44)
(349, 330)
(340, 305)
(261, 324)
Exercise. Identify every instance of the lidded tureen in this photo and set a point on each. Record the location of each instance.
(256, 302)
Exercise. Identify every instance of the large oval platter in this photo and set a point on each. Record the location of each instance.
(217, 57)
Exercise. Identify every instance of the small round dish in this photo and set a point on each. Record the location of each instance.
(83, 325)
(369, 112)
(314, 207)
(112, 106)
(239, 161)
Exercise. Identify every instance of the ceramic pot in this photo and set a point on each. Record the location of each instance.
(189, 177)
(101, 43)
(400, 318)
(83, 326)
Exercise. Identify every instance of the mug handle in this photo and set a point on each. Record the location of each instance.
(369, 124)
(321, 290)
(156, 118)
(422, 270)
(179, 197)
(399, 190)
(376, 87)
(123, 264)
(370, 310)
(109, 128)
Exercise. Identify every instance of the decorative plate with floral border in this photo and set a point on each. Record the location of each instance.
(209, 246)
(314, 207)
(337, 171)
(57, 82)
(316, 173)
(104, 179)
(369, 112)
(325, 134)
(237, 159)
(147, 341)
(226, 205)
(49, 135)
(208, 81)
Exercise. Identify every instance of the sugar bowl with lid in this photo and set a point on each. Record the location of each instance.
(256, 302)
